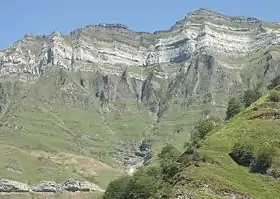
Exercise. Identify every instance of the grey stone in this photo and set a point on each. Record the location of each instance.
(87, 186)
(46, 186)
(13, 186)
(84, 186)
(71, 185)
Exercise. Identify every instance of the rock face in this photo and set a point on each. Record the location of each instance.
(13, 186)
(112, 44)
(126, 86)
(49, 186)
(46, 186)
(206, 44)
(74, 185)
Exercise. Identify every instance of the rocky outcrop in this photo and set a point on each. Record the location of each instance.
(206, 45)
(84, 186)
(13, 186)
(46, 186)
(112, 44)
(70, 185)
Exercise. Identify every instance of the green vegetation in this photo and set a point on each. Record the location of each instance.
(148, 182)
(234, 107)
(250, 96)
(202, 128)
(226, 156)
(263, 160)
(274, 96)
(242, 154)
(117, 189)
(274, 83)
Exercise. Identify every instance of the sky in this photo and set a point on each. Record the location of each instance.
(20, 17)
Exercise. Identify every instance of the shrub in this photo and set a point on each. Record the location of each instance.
(194, 157)
(242, 154)
(170, 169)
(234, 107)
(142, 186)
(118, 189)
(263, 161)
(250, 96)
(274, 96)
(169, 152)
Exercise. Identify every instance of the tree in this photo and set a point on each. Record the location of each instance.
(250, 96)
(234, 107)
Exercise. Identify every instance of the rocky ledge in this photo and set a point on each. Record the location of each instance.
(71, 185)
(115, 44)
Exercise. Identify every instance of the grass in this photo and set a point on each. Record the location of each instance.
(48, 131)
(208, 180)
(55, 129)
(229, 174)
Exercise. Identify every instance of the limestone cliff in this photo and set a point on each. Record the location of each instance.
(106, 87)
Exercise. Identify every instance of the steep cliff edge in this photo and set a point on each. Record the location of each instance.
(101, 90)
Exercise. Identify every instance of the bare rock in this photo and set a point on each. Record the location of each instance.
(87, 186)
(84, 186)
(71, 185)
(46, 186)
(13, 186)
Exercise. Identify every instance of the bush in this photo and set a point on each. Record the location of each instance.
(263, 161)
(142, 186)
(169, 152)
(170, 169)
(250, 96)
(234, 107)
(274, 96)
(194, 157)
(242, 154)
(118, 189)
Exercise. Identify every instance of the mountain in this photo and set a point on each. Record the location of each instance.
(104, 94)
(238, 158)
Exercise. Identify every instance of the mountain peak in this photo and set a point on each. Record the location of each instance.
(205, 13)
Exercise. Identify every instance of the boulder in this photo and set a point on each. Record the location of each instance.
(13, 186)
(84, 186)
(71, 185)
(87, 186)
(46, 186)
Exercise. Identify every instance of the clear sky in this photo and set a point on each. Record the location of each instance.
(19, 17)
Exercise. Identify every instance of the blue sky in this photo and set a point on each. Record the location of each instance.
(19, 17)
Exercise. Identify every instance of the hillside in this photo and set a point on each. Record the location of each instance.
(209, 171)
(96, 103)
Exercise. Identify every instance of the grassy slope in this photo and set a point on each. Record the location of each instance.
(44, 141)
(40, 124)
(219, 144)
(45, 138)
